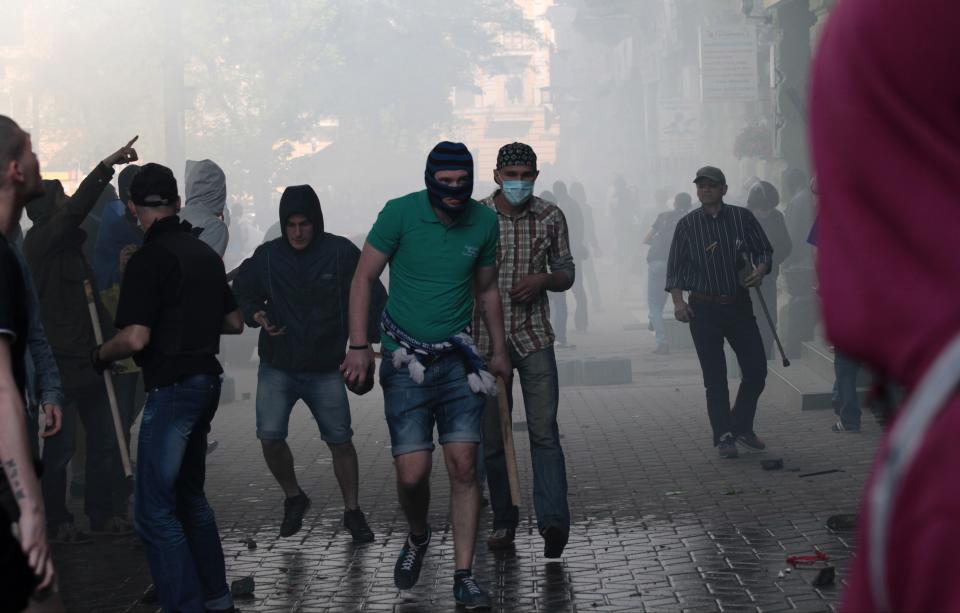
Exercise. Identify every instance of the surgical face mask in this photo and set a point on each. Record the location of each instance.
(517, 192)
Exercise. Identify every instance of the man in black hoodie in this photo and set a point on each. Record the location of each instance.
(54, 251)
(296, 288)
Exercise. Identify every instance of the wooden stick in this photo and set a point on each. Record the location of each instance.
(108, 381)
(506, 431)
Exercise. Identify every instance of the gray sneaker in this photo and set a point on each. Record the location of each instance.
(728, 448)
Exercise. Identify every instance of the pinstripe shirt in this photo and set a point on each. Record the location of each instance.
(533, 242)
(705, 250)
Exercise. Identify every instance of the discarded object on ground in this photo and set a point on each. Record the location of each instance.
(826, 576)
(822, 472)
(844, 522)
(250, 543)
(818, 556)
(772, 464)
(242, 588)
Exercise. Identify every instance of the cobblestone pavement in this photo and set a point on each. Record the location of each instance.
(660, 522)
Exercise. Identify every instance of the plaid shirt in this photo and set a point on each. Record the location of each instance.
(534, 242)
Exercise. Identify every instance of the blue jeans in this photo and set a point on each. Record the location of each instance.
(657, 297)
(444, 398)
(171, 513)
(845, 390)
(541, 398)
(324, 393)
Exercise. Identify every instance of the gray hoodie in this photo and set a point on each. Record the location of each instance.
(206, 190)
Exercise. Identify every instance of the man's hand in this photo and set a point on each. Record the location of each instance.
(53, 420)
(33, 541)
(261, 318)
(682, 311)
(125, 254)
(528, 288)
(123, 155)
(756, 276)
(500, 366)
(356, 367)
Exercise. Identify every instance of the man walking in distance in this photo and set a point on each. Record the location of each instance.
(441, 246)
(659, 238)
(296, 289)
(174, 304)
(26, 565)
(533, 257)
(707, 259)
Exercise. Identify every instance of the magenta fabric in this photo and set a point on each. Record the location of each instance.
(885, 122)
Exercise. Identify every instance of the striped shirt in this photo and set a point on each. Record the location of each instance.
(534, 242)
(705, 251)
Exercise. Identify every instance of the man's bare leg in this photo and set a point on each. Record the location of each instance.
(465, 500)
(347, 470)
(280, 462)
(413, 487)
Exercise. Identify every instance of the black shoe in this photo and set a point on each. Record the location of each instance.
(728, 448)
(356, 523)
(554, 540)
(752, 441)
(406, 572)
(293, 511)
(468, 593)
(501, 538)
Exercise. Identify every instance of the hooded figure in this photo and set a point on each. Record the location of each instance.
(886, 147)
(206, 195)
(53, 248)
(303, 287)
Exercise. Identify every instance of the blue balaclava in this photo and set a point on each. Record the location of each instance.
(449, 156)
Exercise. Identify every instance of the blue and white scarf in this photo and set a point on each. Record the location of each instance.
(412, 352)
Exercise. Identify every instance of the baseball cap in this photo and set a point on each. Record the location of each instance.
(154, 185)
(711, 172)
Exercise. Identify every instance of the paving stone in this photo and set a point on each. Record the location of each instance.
(659, 521)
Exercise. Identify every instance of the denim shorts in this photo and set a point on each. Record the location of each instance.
(444, 398)
(324, 393)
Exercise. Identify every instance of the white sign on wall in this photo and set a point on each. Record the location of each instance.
(679, 127)
(728, 63)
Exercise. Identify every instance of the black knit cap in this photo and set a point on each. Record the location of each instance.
(516, 154)
(154, 185)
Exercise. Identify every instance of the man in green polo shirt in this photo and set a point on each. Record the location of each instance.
(441, 246)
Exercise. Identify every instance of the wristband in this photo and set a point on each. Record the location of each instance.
(98, 365)
(359, 347)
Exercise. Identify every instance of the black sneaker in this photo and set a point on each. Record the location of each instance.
(406, 573)
(752, 441)
(728, 448)
(356, 523)
(468, 593)
(554, 540)
(293, 511)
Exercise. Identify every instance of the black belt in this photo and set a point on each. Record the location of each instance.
(721, 299)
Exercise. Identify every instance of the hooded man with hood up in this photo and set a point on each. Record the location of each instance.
(296, 288)
(54, 251)
(206, 191)
(886, 147)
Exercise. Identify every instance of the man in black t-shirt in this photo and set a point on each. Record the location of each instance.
(26, 565)
(174, 304)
